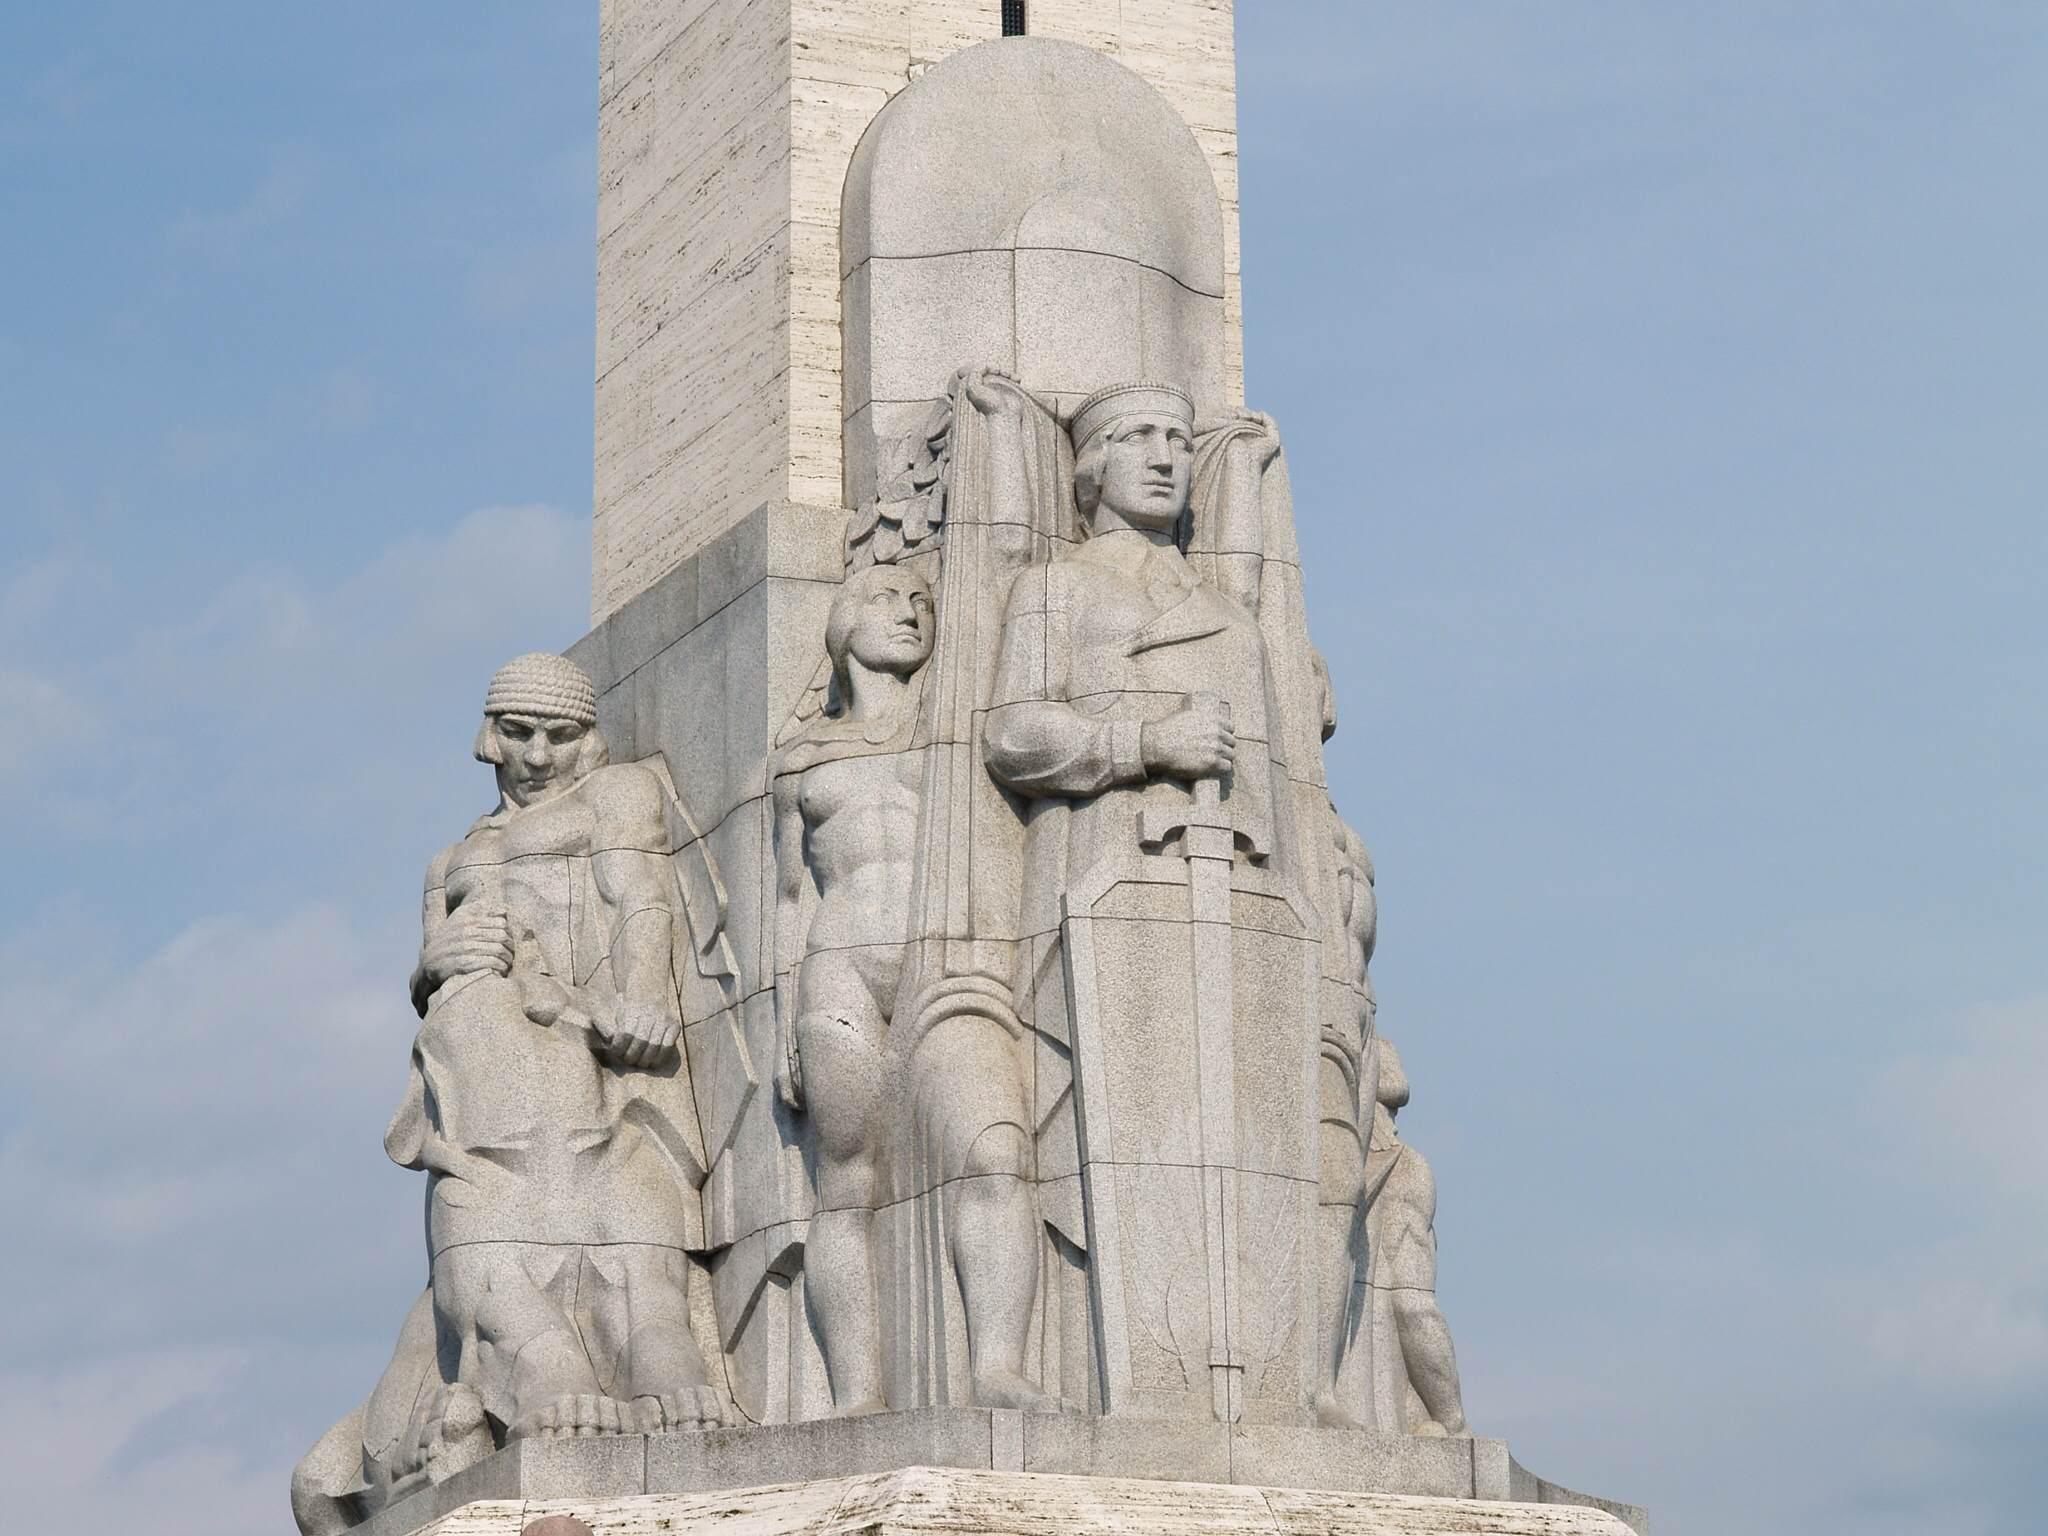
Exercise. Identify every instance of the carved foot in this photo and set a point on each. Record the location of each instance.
(1331, 1414)
(579, 1416)
(449, 1433)
(1008, 1389)
(691, 1408)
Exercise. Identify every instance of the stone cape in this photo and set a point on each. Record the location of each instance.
(970, 1060)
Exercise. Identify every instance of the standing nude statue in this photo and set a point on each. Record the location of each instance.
(847, 798)
(1419, 1373)
(1345, 1082)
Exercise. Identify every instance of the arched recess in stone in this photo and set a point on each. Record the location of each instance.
(1034, 205)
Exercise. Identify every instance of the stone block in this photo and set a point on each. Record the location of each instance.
(922, 317)
(1076, 1445)
(823, 1448)
(1078, 320)
(959, 1501)
(1350, 1460)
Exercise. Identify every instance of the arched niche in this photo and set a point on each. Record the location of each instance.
(1034, 205)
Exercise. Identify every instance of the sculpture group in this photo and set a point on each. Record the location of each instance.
(1071, 985)
(1069, 949)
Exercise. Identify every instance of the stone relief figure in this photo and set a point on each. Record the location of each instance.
(1135, 714)
(550, 1106)
(846, 802)
(849, 789)
(1346, 1081)
(1416, 1369)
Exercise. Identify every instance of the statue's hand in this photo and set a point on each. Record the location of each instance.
(641, 1034)
(994, 393)
(1269, 440)
(1196, 743)
(470, 939)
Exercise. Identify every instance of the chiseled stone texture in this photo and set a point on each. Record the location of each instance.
(1131, 1466)
(917, 1500)
(705, 666)
(1087, 251)
(724, 135)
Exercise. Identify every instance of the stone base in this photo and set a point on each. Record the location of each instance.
(634, 1474)
(944, 1501)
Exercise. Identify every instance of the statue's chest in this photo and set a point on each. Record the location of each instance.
(881, 781)
(528, 863)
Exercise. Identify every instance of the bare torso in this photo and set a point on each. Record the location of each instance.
(860, 826)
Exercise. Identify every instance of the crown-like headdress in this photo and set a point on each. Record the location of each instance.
(543, 685)
(1106, 405)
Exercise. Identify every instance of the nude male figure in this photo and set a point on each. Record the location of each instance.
(1401, 1229)
(847, 798)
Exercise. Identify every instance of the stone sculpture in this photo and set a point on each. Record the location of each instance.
(550, 1108)
(1042, 920)
(846, 803)
(1416, 1383)
(1347, 1079)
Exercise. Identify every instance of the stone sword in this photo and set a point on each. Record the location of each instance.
(1208, 842)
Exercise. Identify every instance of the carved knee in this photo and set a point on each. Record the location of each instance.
(999, 1151)
(1342, 1175)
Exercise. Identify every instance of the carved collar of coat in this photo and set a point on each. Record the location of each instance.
(1189, 609)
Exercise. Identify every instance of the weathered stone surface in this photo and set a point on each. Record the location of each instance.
(726, 128)
(915, 961)
(920, 1500)
(550, 1104)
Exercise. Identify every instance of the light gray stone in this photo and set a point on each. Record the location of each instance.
(961, 958)
(1415, 1381)
(1087, 250)
(958, 1501)
(551, 1030)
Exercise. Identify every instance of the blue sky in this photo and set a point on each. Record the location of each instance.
(1664, 393)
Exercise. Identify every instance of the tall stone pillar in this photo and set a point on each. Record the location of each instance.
(725, 131)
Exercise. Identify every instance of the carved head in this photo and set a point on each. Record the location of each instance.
(540, 727)
(882, 618)
(1393, 1081)
(1134, 454)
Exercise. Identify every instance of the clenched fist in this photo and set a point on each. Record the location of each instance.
(641, 1034)
(1195, 743)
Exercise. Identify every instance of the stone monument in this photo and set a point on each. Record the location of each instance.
(905, 1029)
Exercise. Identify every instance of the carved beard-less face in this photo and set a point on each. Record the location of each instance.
(1149, 462)
(893, 631)
(537, 759)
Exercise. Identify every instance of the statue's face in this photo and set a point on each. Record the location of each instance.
(1145, 477)
(537, 758)
(894, 629)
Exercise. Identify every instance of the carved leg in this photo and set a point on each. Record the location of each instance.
(520, 1350)
(1432, 1362)
(968, 1077)
(992, 1216)
(661, 1370)
(842, 1056)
